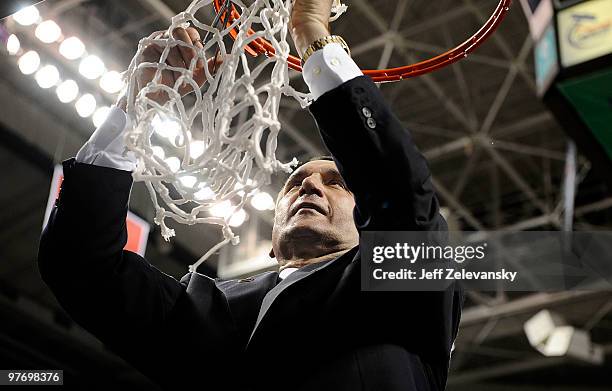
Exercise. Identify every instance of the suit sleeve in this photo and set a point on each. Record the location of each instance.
(393, 191)
(132, 307)
(378, 159)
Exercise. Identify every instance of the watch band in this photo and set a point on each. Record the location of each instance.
(320, 44)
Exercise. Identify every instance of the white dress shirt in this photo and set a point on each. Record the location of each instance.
(106, 146)
(324, 70)
(286, 272)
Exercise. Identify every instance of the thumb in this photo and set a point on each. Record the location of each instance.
(213, 65)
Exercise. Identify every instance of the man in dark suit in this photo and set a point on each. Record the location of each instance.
(309, 327)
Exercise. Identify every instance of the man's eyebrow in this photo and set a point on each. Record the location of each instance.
(294, 175)
(325, 172)
(292, 178)
(333, 171)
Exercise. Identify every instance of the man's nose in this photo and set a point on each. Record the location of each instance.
(312, 184)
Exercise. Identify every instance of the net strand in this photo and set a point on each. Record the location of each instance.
(202, 147)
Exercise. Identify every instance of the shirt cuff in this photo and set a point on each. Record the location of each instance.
(329, 68)
(106, 146)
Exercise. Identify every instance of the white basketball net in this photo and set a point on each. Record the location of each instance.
(215, 147)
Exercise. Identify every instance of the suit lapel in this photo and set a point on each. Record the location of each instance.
(293, 278)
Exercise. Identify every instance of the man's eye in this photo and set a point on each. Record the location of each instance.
(338, 183)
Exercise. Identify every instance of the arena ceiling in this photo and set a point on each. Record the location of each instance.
(497, 157)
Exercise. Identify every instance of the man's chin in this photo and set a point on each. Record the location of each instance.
(309, 217)
(308, 225)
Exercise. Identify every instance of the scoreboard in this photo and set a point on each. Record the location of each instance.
(573, 67)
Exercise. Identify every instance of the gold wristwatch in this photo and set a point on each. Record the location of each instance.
(320, 44)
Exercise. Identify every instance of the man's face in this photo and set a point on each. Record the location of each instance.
(314, 213)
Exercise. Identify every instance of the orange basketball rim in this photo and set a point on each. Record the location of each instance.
(262, 46)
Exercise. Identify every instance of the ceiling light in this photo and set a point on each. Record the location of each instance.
(239, 186)
(13, 45)
(548, 333)
(111, 82)
(72, 48)
(196, 149)
(222, 209)
(188, 181)
(159, 152)
(540, 326)
(67, 91)
(173, 163)
(204, 193)
(27, 16)
(262, 201)
(29, 62)
(48, 31)
(100, 116)
(91, 67)
(237, 218)
(86, 105)
(47, 76)
(169, 129)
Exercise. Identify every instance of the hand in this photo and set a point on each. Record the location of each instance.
(309, 22)
(179, 57)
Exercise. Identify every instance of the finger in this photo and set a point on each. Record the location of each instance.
(175, 58)
(161, 96)
(151, 53)
(148, 74)
(169, 78)
(157, 94)
(197, 42)
(213, 65)
(187, 53)
(199, 76)
(177, 76)
(185, 88)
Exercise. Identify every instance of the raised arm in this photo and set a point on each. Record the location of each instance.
(373, 151)
(391, 183)
(114, 294)
(135, 309)
(393, 191)
(378, 159)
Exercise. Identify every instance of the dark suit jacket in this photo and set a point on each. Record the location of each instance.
(315, 330)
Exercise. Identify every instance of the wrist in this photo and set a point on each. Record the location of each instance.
(306, 34)
(321, 43)
(122, 103)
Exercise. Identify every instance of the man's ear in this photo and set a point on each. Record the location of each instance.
(271, 254)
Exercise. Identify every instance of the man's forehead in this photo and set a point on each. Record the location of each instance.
(325, 167)
(315, 166)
